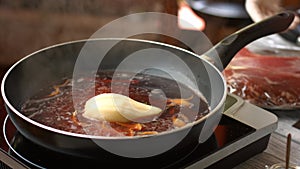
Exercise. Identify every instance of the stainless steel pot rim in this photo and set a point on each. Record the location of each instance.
(189, 125)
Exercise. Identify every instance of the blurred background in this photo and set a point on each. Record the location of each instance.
(29, 25)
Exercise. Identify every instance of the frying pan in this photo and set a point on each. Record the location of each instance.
(26, 77)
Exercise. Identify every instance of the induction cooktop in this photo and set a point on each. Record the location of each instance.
(244, 131)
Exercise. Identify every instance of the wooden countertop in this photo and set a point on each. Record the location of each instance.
(276, 150)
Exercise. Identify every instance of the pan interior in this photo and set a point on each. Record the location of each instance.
(50, 65)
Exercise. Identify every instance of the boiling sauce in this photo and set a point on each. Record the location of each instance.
(61, 106)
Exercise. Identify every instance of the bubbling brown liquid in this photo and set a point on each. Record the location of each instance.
(61, 106)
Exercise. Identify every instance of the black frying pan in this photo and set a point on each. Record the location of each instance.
(49, 65)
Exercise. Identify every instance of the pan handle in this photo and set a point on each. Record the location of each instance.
(229, 46)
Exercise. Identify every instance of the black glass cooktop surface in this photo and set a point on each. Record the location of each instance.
(36, 156)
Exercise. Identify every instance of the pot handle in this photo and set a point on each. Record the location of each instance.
(229, 46)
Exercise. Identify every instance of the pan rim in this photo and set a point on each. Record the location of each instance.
(51, 129)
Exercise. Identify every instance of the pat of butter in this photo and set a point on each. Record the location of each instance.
(114, 107)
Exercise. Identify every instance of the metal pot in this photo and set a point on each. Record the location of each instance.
(48, 65)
